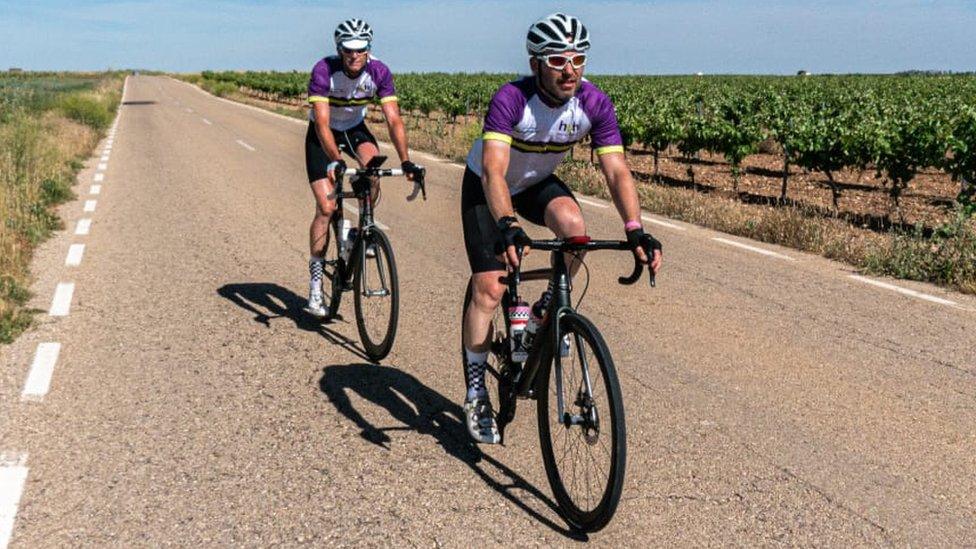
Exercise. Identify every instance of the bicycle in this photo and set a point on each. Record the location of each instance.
(347, 264)
(558, 373)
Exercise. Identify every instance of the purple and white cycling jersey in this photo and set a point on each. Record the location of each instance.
(348, 97)
(541, 135)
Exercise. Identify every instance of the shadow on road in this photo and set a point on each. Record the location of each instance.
(425, 411)
(269, 301)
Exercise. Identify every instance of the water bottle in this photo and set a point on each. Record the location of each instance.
(518, 316)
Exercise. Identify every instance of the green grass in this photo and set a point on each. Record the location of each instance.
(48, 124)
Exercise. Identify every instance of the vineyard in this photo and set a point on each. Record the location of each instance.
(894, 126)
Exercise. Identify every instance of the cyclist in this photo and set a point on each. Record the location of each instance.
(530, 126)
(339, 90)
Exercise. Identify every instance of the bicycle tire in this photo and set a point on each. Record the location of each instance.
(580, 517)
(376, 348)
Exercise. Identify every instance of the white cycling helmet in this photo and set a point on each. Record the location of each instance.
(555, 33)
(354, 34)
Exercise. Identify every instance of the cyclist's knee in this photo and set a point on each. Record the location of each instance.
(488, 290)
(573, 224)
(325, 208)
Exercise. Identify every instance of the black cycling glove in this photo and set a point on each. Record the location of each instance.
(409, 167)
(512, 235)
(638, 238)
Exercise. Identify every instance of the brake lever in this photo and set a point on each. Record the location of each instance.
(418, 185)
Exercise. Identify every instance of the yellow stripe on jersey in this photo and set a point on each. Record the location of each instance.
(388, 99)
(496, 136)
(317, 99)
(609, 149)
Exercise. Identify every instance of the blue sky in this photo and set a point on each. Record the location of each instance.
(651, 37)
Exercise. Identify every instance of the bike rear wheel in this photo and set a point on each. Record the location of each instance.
(584, 450)
(377, 294)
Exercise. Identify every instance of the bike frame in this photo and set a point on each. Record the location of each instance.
(561, 305)
(362, 191)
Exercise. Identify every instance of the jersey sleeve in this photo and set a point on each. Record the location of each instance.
(319, 83)
(504, 112)
(605, 132)
(384, 82)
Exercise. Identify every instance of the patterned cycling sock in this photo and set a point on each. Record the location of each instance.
(476, 379)
(315, 271)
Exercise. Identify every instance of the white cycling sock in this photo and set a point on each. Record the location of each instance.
(473, 357)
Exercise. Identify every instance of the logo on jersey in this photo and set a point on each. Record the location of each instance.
(569, 127)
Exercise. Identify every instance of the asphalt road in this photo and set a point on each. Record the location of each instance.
(769, 398)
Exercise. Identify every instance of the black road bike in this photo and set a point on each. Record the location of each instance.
(570, 373)
(366, 265)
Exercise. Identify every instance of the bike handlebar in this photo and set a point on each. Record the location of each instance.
(586, 244)
(419, 185)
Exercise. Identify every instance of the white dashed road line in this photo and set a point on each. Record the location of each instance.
(83, 227)
(13, 477)
(245, 145)
(42, 369)
(904, 291)
(90, 205)
(95, 189)
(61, 303)
(99, 177)
(207, 122)
(75, 253)
(103, 166)
(753, 248)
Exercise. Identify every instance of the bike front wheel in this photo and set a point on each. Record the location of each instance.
(377, 294)
(584, 445)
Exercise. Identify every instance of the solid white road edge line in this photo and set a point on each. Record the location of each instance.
(594, 203)
(762, 251)
(904, 291)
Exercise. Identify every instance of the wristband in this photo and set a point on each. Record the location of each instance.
(632, 226)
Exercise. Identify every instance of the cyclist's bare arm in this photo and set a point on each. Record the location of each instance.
(494, 162)
(624, 194)
(398, 134)
(322, 129)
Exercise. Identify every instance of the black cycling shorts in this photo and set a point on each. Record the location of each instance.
(316, 160)
(481, 235)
